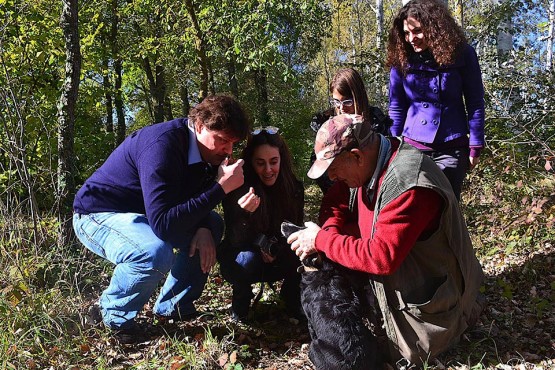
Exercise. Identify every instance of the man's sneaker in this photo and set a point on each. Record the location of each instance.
(132, 334)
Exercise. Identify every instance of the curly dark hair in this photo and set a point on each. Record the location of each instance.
(444, 36)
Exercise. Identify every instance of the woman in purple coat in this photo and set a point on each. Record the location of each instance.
(436, 94)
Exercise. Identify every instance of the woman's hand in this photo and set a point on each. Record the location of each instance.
(250, 201)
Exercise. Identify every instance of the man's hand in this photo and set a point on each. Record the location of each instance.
(204, 243)
(230, 176)
(250, 201)
(303, 241)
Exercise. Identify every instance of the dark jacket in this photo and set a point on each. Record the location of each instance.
(242, 227)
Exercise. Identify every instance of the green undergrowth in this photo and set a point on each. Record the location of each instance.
(507, 211)
(48, 294)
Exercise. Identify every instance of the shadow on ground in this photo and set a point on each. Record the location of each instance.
(518, 325)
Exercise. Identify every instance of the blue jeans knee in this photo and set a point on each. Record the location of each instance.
(141, 260)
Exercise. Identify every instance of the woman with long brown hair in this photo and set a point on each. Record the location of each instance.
(253, 249)
(436, 94)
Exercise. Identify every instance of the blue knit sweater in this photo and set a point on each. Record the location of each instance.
(156, 171)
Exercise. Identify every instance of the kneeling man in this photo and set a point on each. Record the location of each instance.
(414, 242)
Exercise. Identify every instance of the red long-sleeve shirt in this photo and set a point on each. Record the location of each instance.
(413, 216)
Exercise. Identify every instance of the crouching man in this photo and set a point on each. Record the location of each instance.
(414, 243)
(156, 193)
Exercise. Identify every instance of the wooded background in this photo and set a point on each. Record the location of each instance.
(77, 76)
(73, 87)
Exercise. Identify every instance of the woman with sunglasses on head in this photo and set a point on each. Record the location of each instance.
(436, 94)
(253, 249)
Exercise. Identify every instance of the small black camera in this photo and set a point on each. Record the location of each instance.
(266, 244)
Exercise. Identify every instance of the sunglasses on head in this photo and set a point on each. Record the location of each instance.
(272, 130)
(339, 103)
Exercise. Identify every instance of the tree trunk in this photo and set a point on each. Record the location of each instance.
(157, 88)
(459, 12)
(232, 73)
(120, 131)
(168, 108)
(550, 36)
(185, 104)
(212, 85)
(201, 49)
(118, 70)
(108, 96)
(379, 24)
(504, 37)
(66, 119)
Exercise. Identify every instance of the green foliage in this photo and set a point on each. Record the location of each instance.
(508, 200)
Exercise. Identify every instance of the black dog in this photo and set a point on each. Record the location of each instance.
(334, 301)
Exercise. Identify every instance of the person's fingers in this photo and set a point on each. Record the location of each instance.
(244, 200)
(207, 258)
(249, 202)
(295, 246)
(192, 247)
(206, 262)
(256, 203)
(239, 162)
(293, 237)
(211, 258)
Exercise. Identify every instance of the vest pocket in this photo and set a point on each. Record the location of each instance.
(438, 295)
(425, 328)
(438, 301)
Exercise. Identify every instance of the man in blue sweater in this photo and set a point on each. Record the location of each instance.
(156, 193)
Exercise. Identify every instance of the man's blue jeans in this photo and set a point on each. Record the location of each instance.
(142, 260)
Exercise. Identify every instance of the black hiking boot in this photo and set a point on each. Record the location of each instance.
(132, 334)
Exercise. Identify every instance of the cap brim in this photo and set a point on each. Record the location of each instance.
(319, 167)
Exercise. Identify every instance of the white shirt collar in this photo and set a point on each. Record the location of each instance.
(193, 153)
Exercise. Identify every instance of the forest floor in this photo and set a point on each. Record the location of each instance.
(516, 330)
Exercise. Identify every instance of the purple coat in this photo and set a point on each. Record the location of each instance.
(434, 105)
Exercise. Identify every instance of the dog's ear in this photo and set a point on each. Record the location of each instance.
(288, 228)
(312, 261)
